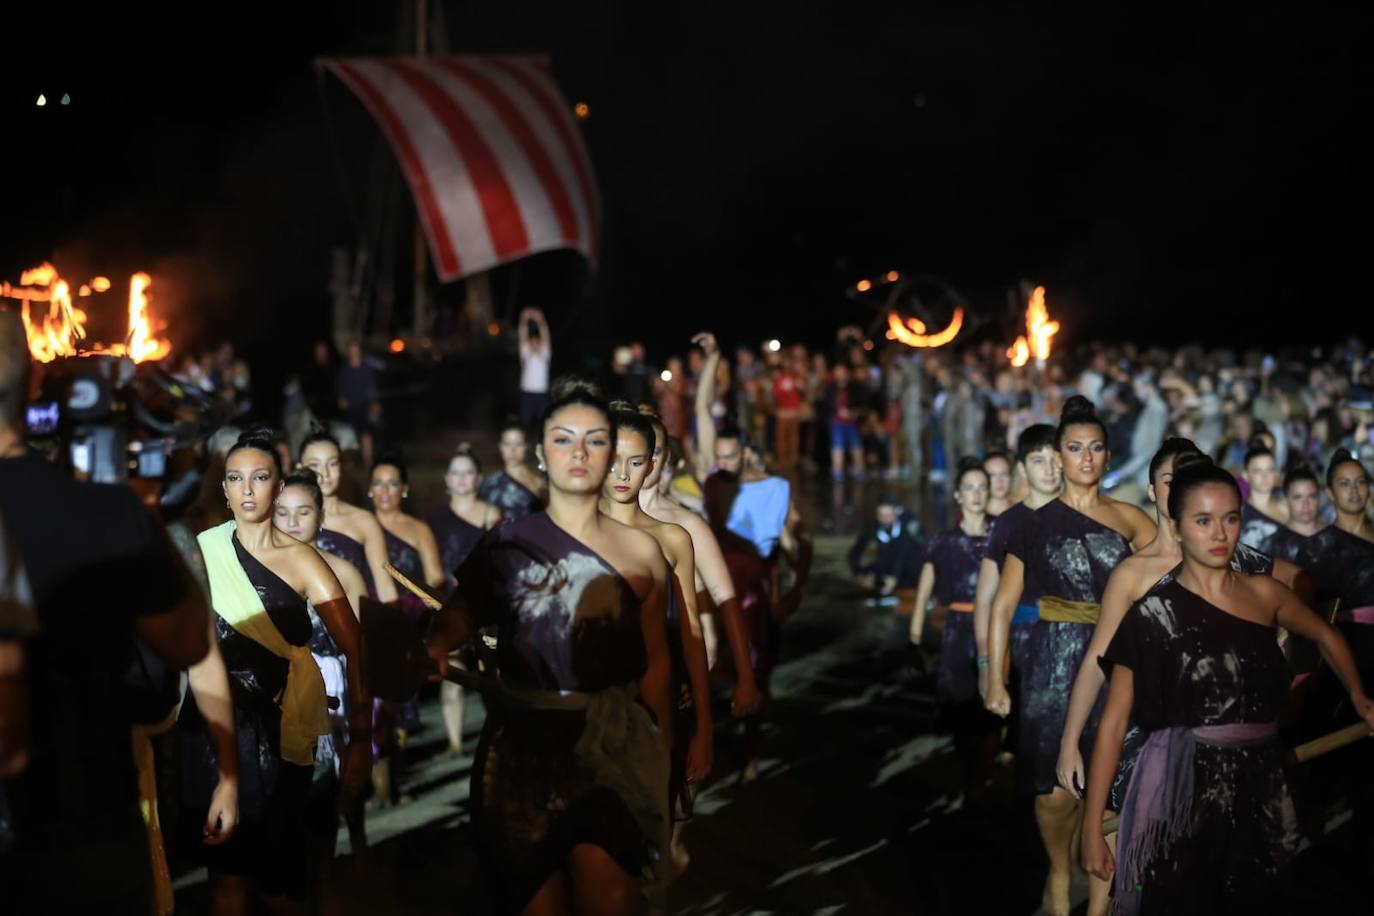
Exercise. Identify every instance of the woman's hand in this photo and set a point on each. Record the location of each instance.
(998, 701)
(746, 700)
(707, 341)
(355, 768)
(1364, 707)
(223, 815)
(699, 754)
(1069, 771)
(1097, 858)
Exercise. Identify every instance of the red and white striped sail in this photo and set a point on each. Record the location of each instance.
(491, 151)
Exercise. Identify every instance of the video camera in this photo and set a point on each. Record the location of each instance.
(107, 419)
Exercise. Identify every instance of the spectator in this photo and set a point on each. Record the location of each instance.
(896, 560)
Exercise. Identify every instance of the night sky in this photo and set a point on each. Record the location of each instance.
(1166, 178)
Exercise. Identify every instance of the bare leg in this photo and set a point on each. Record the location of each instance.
(856, 462)
(552, 899)
(1056, 815)
(451, 702)
(600, 887)
(228, 895)
(837, 463)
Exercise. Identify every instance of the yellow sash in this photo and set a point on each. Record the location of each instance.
(304, 710)
(1061, 610)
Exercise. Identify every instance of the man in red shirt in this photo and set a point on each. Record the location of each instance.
(787, 402)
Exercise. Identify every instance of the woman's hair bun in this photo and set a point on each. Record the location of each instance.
(1077, 408)
(1187, 460)
(970, 463)
(648, 409)
(568, 386)
(257, 437)
(620, 405)
(464, 450)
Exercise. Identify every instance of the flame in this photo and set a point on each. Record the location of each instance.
(397, 345)
(913, 333)
(1039, 329)
(60, 331)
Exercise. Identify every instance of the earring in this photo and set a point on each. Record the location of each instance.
(541, 467)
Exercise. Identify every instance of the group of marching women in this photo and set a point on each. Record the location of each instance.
(1144, 662)
(595, 582)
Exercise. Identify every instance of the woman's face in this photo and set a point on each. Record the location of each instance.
(323, 459)
(1209, 525)
(251, 483)
(1083, 454)
(387, 489)
(577, 449)
(297, 515)
(1350, 488)
(1262, 474)
(1304, 501)
(513, 447)
(1164, 477)
(999, 476)
(972, 494)
(461, 477)
(631, 465)
(656, 471)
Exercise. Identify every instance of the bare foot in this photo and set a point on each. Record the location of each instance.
(1055, 900)
(751, 772)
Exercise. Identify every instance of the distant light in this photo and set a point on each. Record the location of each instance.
(666, 375)
(66, 99)
(398, 346)
(84, 290)
(868, 345)
(100, 284)
(42, 100)
(892, 276)
(864, 286)
(582, 110)
(774, 345)
(494, 329)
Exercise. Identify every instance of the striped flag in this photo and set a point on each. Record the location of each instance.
(492, 154)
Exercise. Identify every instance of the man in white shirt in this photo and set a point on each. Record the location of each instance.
(536, 352)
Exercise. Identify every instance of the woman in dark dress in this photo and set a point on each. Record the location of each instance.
(458, 526)
(570, 782)
(1065, 555)
(515, 489)
(950, 574)
(1207, 824)
(260, 580)
(351, 532)
(1302, 492)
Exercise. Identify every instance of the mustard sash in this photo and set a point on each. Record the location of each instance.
(1061, 610)
(304, 710)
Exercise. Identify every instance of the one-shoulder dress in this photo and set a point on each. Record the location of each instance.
(344, 547)
(513, 498)
(1342, 568)
(1068, 558)
(455, 535)
(569, 634)
(268, 845)
(406, 559)
(956, 557)
(1207, 824)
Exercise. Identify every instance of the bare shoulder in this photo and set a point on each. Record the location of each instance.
(676, 542)
(634, 543)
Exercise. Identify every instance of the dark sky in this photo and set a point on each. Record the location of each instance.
(1166, 178)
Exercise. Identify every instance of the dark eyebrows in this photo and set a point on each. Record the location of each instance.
(594, 429)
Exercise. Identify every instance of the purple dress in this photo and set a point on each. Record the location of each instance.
(406, 559)
(456, 536)
(568, 621)
(512, 497)
(1068, 558)
(1208, 823)
(956, 557)
(345, 548)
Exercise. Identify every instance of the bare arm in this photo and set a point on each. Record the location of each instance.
(924, 586)
(349, 577)
(1097, 859)
(656, 684)
(374, 547)
(1116, 601)
(1296, 617)
(209, 682)
(706, 396)
(694, 651)
(1004, 603)
(429, 558)
(983, 593)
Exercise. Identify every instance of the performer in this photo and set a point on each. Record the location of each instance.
(950, 573)
(999, 471)
(1064, 556)
(1303, 494)
(1140, 575)
(1207, 823)
(570, 782)
(410, 544)
(692, 728)
(714, 587)
(1039, 467)
(515, 489)
(1264, 514)
(352, 532)
(260, 580)
(458, 526)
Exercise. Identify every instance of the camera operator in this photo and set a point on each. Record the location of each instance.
(101, 572)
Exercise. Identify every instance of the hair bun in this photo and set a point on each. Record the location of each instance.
(260, 437)
(620, 405)
(1077, 408)
(648, 409)
(464, 450)
(567, 386)
(1185, 460)
(969, 463)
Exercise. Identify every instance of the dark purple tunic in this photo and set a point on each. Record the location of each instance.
(1070, 556)
(509, 495)
(955, 557)
(345, 548)
(456, 536)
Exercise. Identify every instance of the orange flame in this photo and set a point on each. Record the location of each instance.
(1039, 330)
(59, 332)
(913, 333)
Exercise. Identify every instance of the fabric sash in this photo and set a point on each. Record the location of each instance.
(963, 607)
(1157, 810)
(304, 709)
(1062, 610)
(1363, 615)
(1025, 613)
